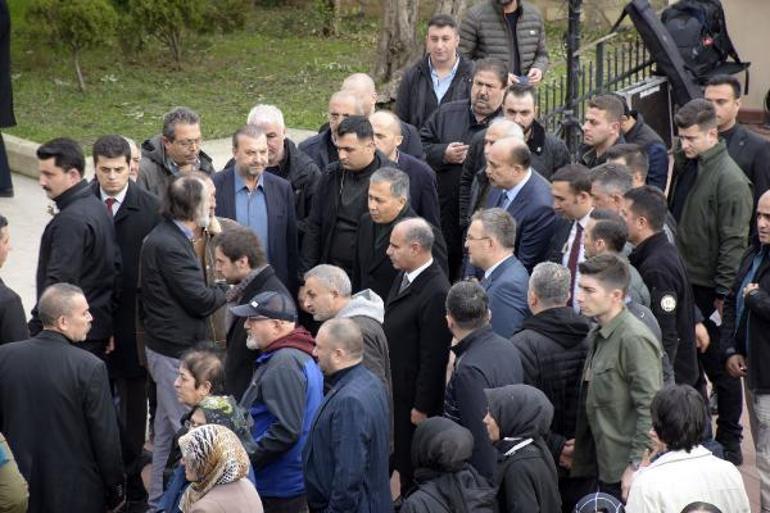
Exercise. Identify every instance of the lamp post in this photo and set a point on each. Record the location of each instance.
(571, 122)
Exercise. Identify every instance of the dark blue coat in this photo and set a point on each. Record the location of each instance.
(535, 219)
(283, 254)
(507, 292)
(423, 191)
(346, 457)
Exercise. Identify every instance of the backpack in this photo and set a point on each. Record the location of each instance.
(699, 31)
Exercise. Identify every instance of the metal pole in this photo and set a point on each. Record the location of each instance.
(571, 123)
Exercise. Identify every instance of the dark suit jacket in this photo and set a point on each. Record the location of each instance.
(239, 364)
(507, 292)
(283, 254)
(346, 455)
(557, 246)
(423, 191)
(372, 268)
(135, 218)
(57, 413)
(13, 323)
(535, 219)
(752, 154)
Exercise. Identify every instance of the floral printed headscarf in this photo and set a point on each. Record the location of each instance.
(216, 456)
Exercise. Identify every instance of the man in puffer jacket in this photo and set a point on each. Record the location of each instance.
(509, 30)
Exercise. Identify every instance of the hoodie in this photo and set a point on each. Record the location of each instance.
(526, 476)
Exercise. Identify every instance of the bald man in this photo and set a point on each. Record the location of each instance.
(423, 192)
(523, 193)
(321, 147)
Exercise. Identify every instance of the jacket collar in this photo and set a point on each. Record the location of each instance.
(536, 141)
(341, 377)
(71, 195)
(606, 331)
(52, 336)
(637, 128)
(697, 452)
(647, 247)
(713, 153)
(470, 340)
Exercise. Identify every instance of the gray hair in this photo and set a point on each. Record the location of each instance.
(418, 230)
(346, 335)
(178, 115)
(613, 178)
(56, 301)
(398, 180)
(263, 113)
(510, 128)
(250, 131)
(332, 277)
(131, 142)
(347, 95)
(499, 225)
(550, 283)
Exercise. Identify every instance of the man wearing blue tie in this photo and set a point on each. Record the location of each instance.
(490, 241)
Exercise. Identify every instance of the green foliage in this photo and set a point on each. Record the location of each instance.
(169, 21)
(226, 15)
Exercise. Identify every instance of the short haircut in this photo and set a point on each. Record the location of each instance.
(610, 228)
(550, 282)
(420, 232)
(183, 198)
(634, 156)
(179, 115)
(613, 108)
(608, 269)
(701, 507)
(358, 125)
(346, 335)
(250, 131)
(241, 242)
(718, 80)
(679, 417)
(650, 203)
(397, 179)
(624, 102)
(510, 128)
(520, 155)
(110, 147)
(347, 95)
(332, 277)
(442, 20)
(130, 142)
(613, 178)
(3, 221)
(576, 175)
(698, 112)
(495, 66)
(520, 91)
(395, 121)
(56, 301)
(498, 224)
(66, 154)
(204, 361)
(262, 113)
(468, 305)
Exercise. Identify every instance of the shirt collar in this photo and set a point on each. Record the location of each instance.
(489, 271)
(583, 221)
(606, 331)
(240, 184)
(187, 231)
(513, 192)
(451, 73)
(414, 274)
(119, 197)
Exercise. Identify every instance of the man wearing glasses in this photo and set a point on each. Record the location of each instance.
(174, 152)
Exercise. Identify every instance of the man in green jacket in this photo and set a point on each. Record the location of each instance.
(711, 200)
(622, 373)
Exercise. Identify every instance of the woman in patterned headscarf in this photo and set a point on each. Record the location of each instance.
(216, 464)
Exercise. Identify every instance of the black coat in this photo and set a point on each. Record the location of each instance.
(752, 154)
(57, 413)
(651, 143)
(303, 174)
(78, 247)
(483, 360)
(135, 218)
(423, 191)
(239, 363)
(7, 119)
(13, 323)
(553, 347)
(174, 300)
(416, 99)
(671, 301)
(320, 149)
(372, 268)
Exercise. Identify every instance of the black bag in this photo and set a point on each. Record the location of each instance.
(699, 30)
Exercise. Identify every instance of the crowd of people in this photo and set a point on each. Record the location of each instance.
(441, 292)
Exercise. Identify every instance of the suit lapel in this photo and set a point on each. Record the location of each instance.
(129, 203)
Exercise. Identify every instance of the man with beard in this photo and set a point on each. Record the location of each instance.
(261, 201)
(601, 130)
(446, 136)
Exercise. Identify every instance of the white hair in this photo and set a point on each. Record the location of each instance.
(263, 113)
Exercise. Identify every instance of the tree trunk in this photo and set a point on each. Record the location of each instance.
(398, 45)
(78, 72)
(455, 8)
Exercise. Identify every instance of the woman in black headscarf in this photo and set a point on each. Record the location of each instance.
(445, 481)
(519, 418)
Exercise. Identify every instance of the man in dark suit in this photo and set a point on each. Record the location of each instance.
(78, 245)
(135, 212)
(345, 459)
(239, 259)
(388, 204)
(7, 119)
(57, 413)
(417, 335)
(523, 193)
(13, 323)
(490, 243)
(423, 194)
(322, 147)
(261, 201)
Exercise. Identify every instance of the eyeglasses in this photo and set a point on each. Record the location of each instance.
(472, 239)
(188, 143)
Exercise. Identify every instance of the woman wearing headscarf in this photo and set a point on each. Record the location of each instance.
(445, 481)
(519, 418)
(216, 464)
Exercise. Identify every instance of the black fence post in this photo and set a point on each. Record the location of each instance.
(571, 124)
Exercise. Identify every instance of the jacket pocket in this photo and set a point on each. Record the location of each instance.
(603, 388)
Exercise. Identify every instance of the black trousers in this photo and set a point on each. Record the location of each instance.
(403, 432)
(5, 170)
(728, 389)
(291, 505)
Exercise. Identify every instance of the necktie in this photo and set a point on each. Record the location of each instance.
(110, 202)
(574, 253)
(502, 200)
(404, 283)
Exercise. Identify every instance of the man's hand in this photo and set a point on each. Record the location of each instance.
(719, 304)
(455, 153)
(565, 458)
(110, 345)
(748, 289)
(625, 482)
(702, 339)
(736, 366)
(535, 76)
(417, 416)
